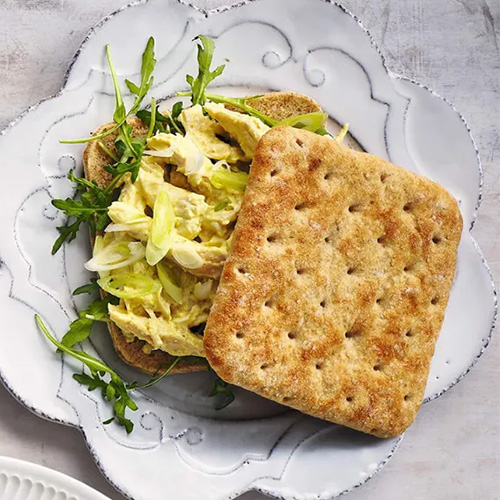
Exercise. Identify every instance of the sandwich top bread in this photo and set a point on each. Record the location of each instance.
(338, 276)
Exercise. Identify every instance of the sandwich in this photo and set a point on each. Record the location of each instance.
(239, 235)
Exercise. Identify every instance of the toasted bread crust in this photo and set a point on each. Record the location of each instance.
(95, 159)
(282, 105)
(336, 284)
(155, 362)
(278, 105)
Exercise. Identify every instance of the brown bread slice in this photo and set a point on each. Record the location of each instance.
(336, 284)
(282, 105)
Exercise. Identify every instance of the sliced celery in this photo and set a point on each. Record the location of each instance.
(169, 281)
(160, 240)
(232, 181)
(115, 255)
(342, 133)
(129, 285)
(309, 121)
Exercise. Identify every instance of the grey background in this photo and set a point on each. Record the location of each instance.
(453, 449)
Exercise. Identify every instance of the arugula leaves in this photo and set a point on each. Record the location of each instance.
(159, 122)
(101, 376)
(108, 151)
(113, 391)
(113, 388)
(92, 207)
(174, 118)
(147, 68)
(222, 388)
(205, 76)
(131, 150)
(156, 378)
(80, 329)
(87, 288)
(152, 117)
(120, 115)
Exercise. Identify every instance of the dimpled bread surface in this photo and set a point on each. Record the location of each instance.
(334, 292)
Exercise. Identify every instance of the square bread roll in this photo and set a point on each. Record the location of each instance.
(335, 289)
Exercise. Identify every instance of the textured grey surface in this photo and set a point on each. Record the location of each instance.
(453, 449)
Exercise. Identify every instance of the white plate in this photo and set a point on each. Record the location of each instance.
(181, 445)
(20, 480)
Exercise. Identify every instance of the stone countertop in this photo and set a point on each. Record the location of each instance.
(453, 46)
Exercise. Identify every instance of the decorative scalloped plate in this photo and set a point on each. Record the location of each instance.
(181, 445)
(20, 480)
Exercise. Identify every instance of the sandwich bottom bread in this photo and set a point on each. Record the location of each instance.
(150, 336)
(336, 284)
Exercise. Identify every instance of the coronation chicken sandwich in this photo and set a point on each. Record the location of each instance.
(238, 234)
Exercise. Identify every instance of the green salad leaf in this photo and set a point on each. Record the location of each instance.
(147, 68)
(131, 150)
(97, 310)
(152, 118)
(101, 376)
(91, 203)
(92, 208)
(222, 388)
(80, 329)
(156, 378)
(120, 114)
(108, 151)
(165, 121)
(87, 288)
(198, 85)
(113, 388)
(159, 123)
